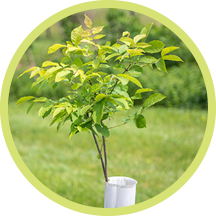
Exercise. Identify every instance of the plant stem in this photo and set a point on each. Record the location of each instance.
(66, 84)
(92, 36)
(118, 125)
(73, 56)
(105, 158)
(127, 69)
(101, 157)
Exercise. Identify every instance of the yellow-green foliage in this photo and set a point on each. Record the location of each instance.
(94, 95)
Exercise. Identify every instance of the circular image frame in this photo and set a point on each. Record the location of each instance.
(97, 5)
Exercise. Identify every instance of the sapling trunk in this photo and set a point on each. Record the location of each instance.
(105, 158)
(101, 158)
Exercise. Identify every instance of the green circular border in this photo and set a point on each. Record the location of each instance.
(97, 5)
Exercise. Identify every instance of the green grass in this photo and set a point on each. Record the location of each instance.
(156, 156)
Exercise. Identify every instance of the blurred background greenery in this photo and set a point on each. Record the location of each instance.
(156, 157)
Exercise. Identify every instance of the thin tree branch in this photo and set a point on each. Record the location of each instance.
(72, 56)
(66, 84)
(127, 69)
(86, 55)
(118, 125)
(94, 43)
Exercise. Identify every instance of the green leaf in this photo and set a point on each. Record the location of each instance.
(97, 29)
(136, 96)
(95, 87)
(111, 100)
(143, 90)
(125, 33)
(24, 99)
(69, 109)
(58, 126)
(69, 43)
(45, 108)
(75, 35)
(115, 47)
(87, 123)
(148, 59)
(127, 119)
(96, 63)
(58, 118)
(99, 97)
(79, 72)
(102, 129)
(151, 100)
(122, 102)
(81, 77)
(140, 121)
(40, 99)
(30, 69)
(146, 29)
(55, 85)
(123, 49)
(142, 45)
(168, 49)
(102, 73)
(111, 56)
(88, 21)
(50, 71)
(128, 41)
(134, 52)
(134, 73)
(132, 79)
(88, 41)
(84, 109)
(57, 111)
(98, 111)
(75, 86)
(61, 75)
(161, 66)
(47, 113)
(123, 80)
(35, 72)
(55, 47)
(82, 129)
(66, 60)
(156, 46)
(43, 84)
(42, 72)
(29, 108)
(139, 37)
(49, 63)
(73, 131)
(91, 75)
(99, 36)
(71, 49)
(85, 33)
(172, 58)
(121, 91)
(126, 55)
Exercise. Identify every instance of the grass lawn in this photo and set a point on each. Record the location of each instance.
(155, 156)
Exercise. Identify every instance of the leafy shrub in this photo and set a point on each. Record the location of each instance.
(183, 86)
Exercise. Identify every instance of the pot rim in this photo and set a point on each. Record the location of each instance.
(119, 185)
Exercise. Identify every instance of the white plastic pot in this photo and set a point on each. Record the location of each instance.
(119, 192)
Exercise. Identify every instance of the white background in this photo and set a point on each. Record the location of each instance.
(18, 19)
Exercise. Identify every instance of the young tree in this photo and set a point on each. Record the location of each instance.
(94, 94)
